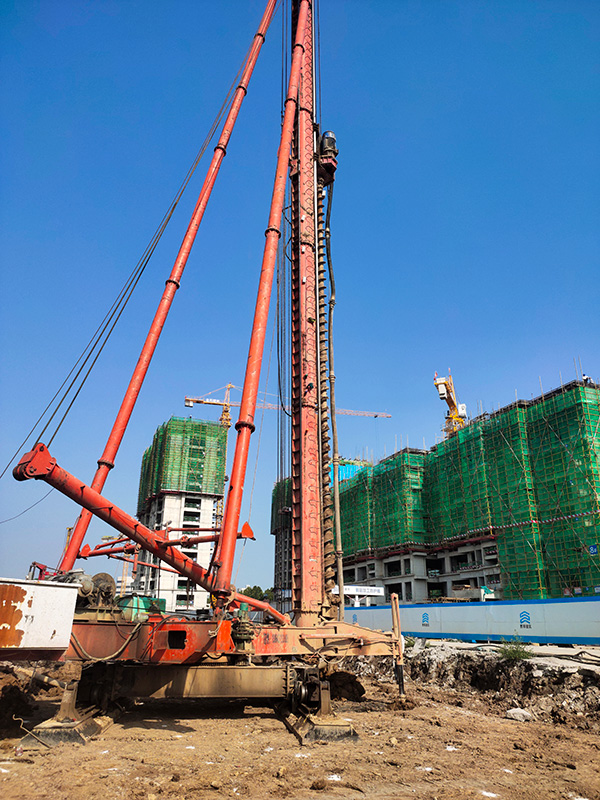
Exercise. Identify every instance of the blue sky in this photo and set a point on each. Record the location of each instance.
(464, 229)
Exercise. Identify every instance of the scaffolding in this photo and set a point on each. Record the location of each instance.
(513, 512)
(281, 529)
(281, 505)
(397, 500)
(356, 511)
(455, 498)
(186, 455)
(527, 476)
(564, 440)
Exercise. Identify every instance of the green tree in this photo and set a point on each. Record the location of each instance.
(267, 595)
(253, 591)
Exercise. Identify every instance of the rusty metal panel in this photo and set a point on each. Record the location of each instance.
(167, 641)
(214, 681)
(35, 617)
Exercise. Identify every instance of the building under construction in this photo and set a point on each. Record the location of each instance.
(281, 509)
(181, 489)
(507, 507)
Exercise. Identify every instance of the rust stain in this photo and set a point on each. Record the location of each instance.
(10, 614)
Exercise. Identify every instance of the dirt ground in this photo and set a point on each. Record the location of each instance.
(449, 742)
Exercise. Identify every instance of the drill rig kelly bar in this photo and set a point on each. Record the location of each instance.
(229, 655)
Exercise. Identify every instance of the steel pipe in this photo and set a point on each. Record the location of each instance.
(106, 461)
(40, 465)
(245, 425)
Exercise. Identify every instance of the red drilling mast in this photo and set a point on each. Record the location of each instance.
(225, 656)
(309, 599)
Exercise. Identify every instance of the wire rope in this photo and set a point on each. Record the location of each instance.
(27, 509)
(99, 338)
(283, 85)
(125, 295)
(282, 321)
(260, 429)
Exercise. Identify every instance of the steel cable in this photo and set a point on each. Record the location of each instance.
(10, 519)
(104, 330)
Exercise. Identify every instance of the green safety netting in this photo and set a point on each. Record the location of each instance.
(528, 474)
(186, 455)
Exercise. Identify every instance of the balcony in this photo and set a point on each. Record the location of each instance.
(466, 567)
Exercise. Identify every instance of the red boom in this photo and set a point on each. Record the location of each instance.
(39, 464)
(106, 461)
(245, 424)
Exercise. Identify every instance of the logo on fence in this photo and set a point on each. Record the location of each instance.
(593, 549)
(425, 620)
(525, 619)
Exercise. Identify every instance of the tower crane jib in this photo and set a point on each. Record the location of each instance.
(227, 404)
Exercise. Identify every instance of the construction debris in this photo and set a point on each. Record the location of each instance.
(552, 688)
(451, 741)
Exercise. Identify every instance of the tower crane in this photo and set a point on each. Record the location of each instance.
(228, 404)
(456, 416)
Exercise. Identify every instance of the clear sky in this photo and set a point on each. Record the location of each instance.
(464, 228)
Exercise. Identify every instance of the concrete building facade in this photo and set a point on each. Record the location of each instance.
(186, 511)
(467, 571)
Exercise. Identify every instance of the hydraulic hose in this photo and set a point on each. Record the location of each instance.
(339, 553)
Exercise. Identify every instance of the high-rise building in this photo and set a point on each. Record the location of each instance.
(508, 506)
(181, 489)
